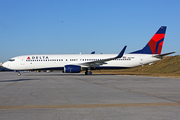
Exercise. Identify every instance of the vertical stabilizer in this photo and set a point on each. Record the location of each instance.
(154, 46)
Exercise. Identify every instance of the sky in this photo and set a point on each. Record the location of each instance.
(81, 26)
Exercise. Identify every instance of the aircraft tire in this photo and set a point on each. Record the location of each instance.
(19, 74)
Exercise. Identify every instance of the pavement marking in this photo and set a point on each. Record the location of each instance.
(89, 105)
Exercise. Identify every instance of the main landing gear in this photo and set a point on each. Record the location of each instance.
(88, 72)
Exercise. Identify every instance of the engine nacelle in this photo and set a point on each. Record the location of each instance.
(72, 69)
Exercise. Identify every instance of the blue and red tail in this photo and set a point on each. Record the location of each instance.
(154, 46)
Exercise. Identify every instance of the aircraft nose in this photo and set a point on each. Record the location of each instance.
(5, 64)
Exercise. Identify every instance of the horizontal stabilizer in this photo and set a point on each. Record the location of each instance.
(161, 55)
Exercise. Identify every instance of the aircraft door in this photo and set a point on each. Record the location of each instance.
(141, 60)
(22, 61)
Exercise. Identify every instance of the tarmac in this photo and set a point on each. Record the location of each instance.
(57, 96)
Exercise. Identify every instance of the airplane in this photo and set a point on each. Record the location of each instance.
(75, 63)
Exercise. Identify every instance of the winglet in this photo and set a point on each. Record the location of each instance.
(121, 53)
(93, 52)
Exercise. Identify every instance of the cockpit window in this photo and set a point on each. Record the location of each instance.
(12, 60)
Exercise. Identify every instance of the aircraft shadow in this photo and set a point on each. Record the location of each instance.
(51, 74)
(15, 80)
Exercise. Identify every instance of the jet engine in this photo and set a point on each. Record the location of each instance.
(72, 69)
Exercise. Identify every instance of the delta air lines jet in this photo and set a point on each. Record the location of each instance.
(75, 63)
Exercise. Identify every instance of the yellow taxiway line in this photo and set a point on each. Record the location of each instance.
(89, 105)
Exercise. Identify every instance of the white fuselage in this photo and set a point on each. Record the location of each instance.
(38, 62)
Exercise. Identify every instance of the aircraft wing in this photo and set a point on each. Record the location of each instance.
(101, 62)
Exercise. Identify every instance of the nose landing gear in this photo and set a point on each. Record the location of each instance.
(18, 73)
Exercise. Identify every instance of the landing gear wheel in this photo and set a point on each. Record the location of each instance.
(19, 74)
(88, 72)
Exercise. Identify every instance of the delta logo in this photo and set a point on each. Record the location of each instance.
(38, 57)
